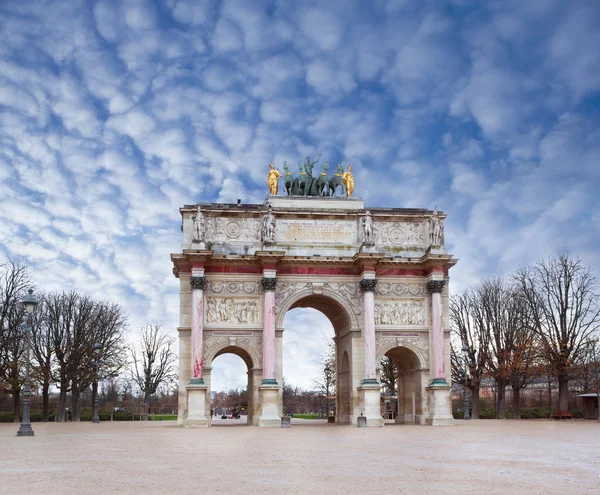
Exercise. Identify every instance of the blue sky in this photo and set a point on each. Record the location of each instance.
(114, 114)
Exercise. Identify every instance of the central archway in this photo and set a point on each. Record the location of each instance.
(250, 360)
(345, 325)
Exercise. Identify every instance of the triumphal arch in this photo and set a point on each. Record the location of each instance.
(380, 275)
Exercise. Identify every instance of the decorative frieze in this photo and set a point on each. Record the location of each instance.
(400, 313)
(230, 287)
(197, 283)
(232, 311)
(434, 286)
(410, 290)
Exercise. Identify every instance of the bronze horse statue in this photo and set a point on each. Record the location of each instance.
(288, 178)
(301, 183)
(336, 181)
(321, 182)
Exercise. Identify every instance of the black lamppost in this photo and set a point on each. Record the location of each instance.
(29, 302)
(96, 364)
(465, 353)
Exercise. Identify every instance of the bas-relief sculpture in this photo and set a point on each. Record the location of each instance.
(408, 234)
(347, 291)
(219, 229)
(229, 310)
(400, 313)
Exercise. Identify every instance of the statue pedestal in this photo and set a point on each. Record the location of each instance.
(269, 398)
(440, 406)
(196, 399)
(370, 400)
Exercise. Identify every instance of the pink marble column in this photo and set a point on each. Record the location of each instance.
(435, 288)
(197, 284)
(269, 284)
(368, 287)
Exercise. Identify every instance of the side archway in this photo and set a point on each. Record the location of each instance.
(410, 374)
(229, 345)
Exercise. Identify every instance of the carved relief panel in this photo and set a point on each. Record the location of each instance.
(228, 311)
(408, 313)
(223, 229)
(406, 234)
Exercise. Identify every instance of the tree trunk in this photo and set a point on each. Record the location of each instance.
(500, 398)
(475, 403)
(45, 401)
(516, 405)
(550, 394)
(146, 405)
(75, 404)
(62, 401)
(563, 392)
(16, 406)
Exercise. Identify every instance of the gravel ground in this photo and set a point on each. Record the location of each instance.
(474, 457)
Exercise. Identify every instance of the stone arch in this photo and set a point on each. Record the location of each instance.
(216, 346)
(411, 374)
(231, 345)
(342, 313)
(343, 389)
(386, 345)
(329, 302)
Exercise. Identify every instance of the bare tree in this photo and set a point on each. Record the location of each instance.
(153, 361)
(14, 281)
(325, 384)
(43, 354)
(75, 322)
(472, 335)
(560, 294)
(388, 375)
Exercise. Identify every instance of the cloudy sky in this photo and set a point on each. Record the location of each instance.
(113, 114)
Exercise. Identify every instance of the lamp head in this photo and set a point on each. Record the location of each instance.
(29, 302)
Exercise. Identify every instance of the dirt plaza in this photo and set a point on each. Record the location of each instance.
(473, 457)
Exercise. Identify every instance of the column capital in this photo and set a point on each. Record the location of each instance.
(197, 283)
(368, 284)
(269, 283)
(435, 286)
